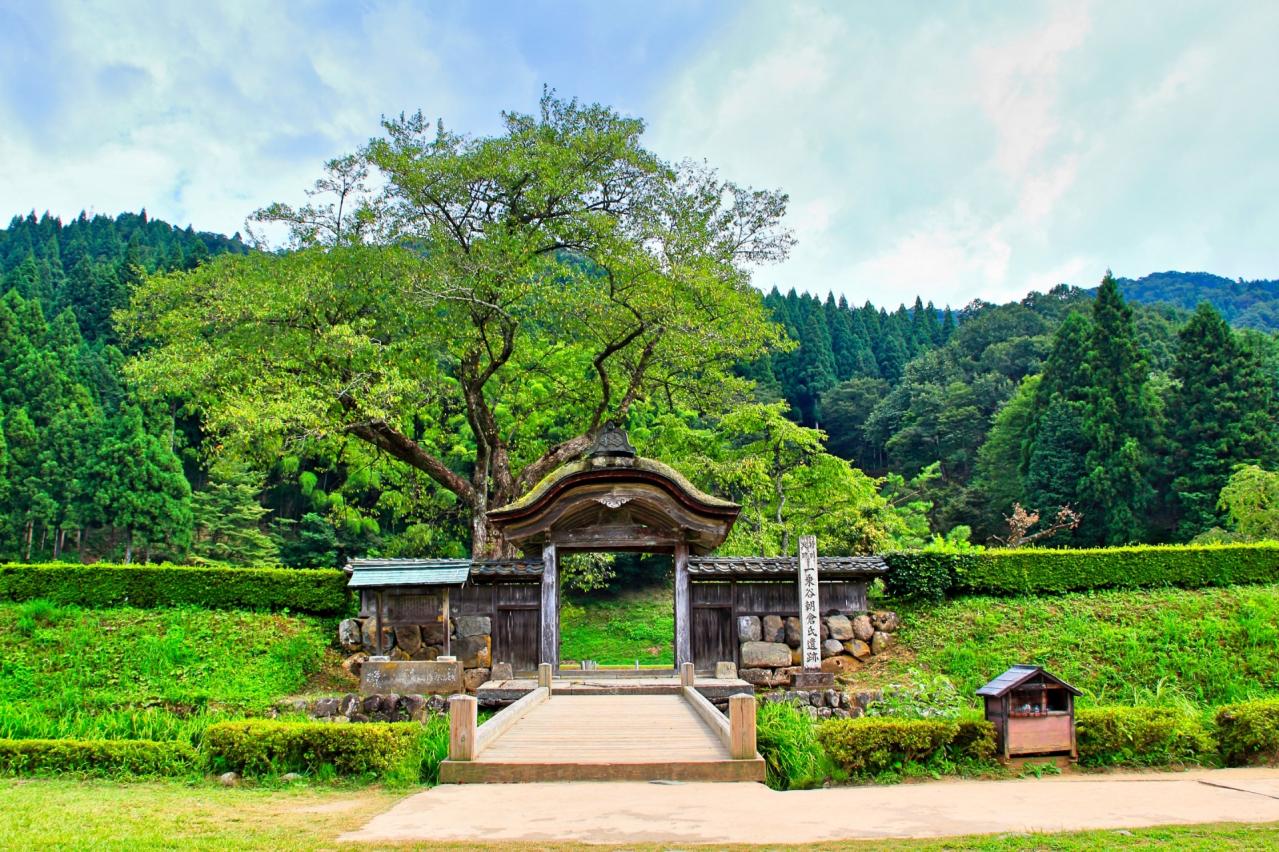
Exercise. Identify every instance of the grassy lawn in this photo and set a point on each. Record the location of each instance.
(147, 673)
(61, 814)
(1203, 647)
(636, 625)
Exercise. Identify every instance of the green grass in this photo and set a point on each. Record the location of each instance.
(62, 814)
(1195, 648)
(637, 625)
(160, 674)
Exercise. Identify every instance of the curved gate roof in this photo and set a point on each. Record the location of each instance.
(613, 499)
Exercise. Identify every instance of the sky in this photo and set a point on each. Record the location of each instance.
(949, 150)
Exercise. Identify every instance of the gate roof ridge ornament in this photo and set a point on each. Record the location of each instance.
(612, 442)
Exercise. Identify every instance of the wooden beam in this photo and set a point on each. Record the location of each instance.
(550, 644)
(683, 607)
(741, 722)
(448, 632)
(379, 623)
(710, 714)
(544, 673)
(686, 674)
(462, 715)
(502, 721)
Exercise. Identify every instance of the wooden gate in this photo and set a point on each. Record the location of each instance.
(712, 624)
(517, 625)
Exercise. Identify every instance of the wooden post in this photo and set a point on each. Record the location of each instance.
(741, 723)
(544, 674)
(686, 675)
(683, 609)
(378, 623)
(448, 643)
(550, 647)
(462, 715)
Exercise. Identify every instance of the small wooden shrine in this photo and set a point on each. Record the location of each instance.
(1033, 712)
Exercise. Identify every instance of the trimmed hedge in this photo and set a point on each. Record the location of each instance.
(104, 758)
(1249, 732)
(1141, 736)
(928, 576)
(262, 747)
(870, 745)
(319, 591)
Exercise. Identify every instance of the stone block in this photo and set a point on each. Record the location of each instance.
(772, 629)
(472, 678)
(325, 707)
(765, 655)
(399, 654)
(867, 698)
(502, 671)
(796, 656)
(840, 627)
(811, 680)
(725, 670)
(412, 707)
(748, 628)
(353, 663)
(348, 704)
(370, 705)
(832, 647)
(760, 677)
(368, 635)
(794, 632)
(432, 633)
(843, 664)
(862, 628)
(411, 678)
(824, 630)
(475, 652)
(857, 648)
(408, 637)
(886, 620)
(881, 642)
(351, 634)
(472, 625)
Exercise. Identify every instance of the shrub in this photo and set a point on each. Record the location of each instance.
(1042, 571)
(923, 576)
(105, 758)
(391, 751)
(1140, 736)
(1249, 732)
(302, 590)
(974, 740)
(787, 740)
(868, 746)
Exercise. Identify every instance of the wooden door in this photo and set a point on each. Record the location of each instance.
(713, 637)
(517, 625)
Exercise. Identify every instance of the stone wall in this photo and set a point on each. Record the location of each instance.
(368, 708)
(826, 703)
(770, 645)
(470, 640)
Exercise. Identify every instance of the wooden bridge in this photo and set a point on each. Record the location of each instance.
(638, 734)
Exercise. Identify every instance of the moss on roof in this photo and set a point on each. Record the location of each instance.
(652, 466)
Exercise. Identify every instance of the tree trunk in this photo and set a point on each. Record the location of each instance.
(57, 543)
(31, 528)
(79, 542)
(128, 546)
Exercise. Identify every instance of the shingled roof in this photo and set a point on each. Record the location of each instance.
(783, 566)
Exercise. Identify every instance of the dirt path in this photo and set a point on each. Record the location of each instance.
(751, 813)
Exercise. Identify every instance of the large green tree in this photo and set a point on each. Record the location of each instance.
(486, 312)
(1224, 415)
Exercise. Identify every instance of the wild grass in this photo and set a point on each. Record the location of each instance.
(1188, 649)
(164, 674)
(618, 630)
(787, 740)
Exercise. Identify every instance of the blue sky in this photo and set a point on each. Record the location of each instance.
(955, 150)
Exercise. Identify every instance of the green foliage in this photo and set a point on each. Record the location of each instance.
(870, 746)
(1141, 736)
(162, 674)
(320, 591)
(99, 758)
(227, 520)
(637, 625)
(1249, 732)
(1055, 571)
(392, 752)
(1226, 411)
(922, 576)
(1166, 646)
(974, 740)
(787, 740)
(921, 697)
(1250, 500)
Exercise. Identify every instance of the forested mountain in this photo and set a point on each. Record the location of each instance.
(1064, 398)
(1244, 304)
